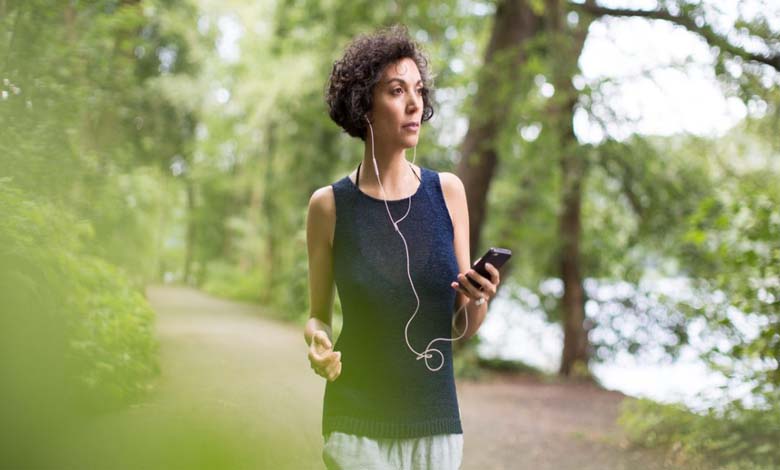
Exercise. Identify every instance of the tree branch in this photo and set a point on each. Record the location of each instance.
(612, 165)
(705, 31)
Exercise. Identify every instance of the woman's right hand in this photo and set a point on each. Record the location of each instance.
(324, 361)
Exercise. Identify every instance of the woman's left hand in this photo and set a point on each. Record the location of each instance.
(488, 286)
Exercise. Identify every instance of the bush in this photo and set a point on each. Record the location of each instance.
(736, 439)
(113, 343)
(74, 334)
(226, 280)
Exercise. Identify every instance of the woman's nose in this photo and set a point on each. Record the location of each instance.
(414, 102)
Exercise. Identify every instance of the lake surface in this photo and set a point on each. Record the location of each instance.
(518, 330)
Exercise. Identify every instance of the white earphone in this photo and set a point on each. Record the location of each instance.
(426, 353)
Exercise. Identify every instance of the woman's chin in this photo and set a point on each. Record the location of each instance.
(409, 143)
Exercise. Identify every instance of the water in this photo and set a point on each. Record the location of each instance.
(516, 328)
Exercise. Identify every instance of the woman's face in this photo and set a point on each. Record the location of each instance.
(397, 101)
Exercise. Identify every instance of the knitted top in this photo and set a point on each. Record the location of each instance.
(383, 389)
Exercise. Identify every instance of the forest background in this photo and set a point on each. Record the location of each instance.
(179, 141)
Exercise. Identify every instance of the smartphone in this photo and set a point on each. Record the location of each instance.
(495, 256)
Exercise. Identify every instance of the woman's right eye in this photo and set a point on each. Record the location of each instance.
(397, 89)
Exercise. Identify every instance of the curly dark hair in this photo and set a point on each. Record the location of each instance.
(352, 80)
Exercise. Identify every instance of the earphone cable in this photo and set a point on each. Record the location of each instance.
(425, 354)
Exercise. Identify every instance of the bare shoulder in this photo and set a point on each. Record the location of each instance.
(322, 198)
(452, 187)
(322, 212)
(454, 195)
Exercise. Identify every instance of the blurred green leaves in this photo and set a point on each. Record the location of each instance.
(76, 338)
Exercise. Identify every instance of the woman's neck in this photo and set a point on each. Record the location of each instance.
(398, 179)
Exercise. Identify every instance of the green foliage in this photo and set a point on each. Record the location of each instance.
(84, 135)
(227, 280)
(738, 439)
(728, 245)
(101, 326)
(732, 244)
(509, 366)
(113, 339)
(127, 211)
(80, 116)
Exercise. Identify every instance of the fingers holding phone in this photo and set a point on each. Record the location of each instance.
(486, 289)
(483, 277)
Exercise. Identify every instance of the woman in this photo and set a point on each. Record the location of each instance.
(393, 236)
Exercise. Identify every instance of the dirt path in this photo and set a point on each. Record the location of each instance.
(225, 360)
(520, 422)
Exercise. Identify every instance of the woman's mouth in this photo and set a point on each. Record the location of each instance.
(412, 127)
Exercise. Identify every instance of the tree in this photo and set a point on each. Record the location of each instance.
(482, 160)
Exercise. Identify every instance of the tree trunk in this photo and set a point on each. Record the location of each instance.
(575, 338)
(70, 22)
(498, 88)
(269, 213)
(190, 247)
(568, 44)
(247, 259)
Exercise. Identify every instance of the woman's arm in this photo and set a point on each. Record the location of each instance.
(455, 197)
(320, 222)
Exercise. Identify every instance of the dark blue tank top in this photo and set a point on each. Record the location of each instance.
(383, 389)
